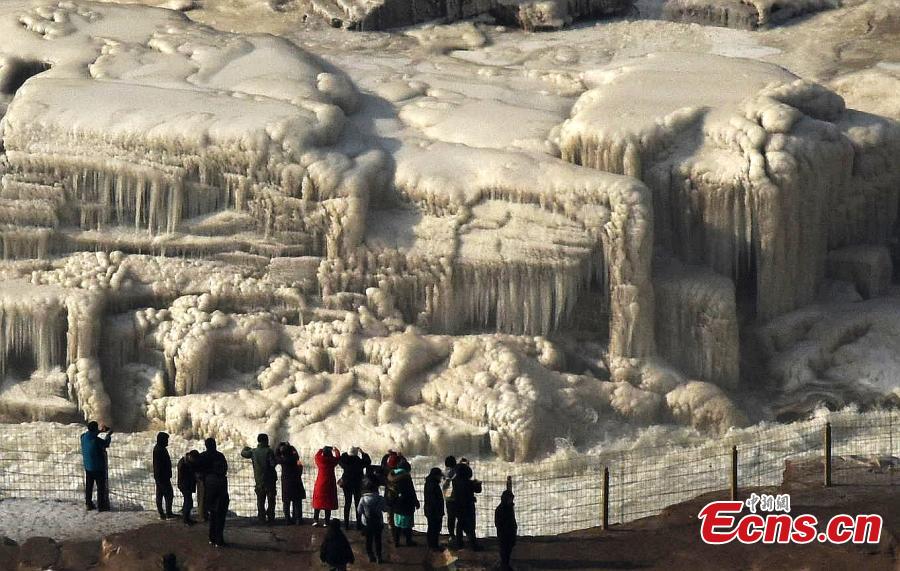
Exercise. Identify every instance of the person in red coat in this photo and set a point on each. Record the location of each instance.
(325, 493)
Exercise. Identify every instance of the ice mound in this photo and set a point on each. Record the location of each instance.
(217, 363)
(428, 394)
(742, 14)
(486, 228)
(142, 133)
(876, 88)
(755, 173)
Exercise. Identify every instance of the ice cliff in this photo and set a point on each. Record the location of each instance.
(221, 233)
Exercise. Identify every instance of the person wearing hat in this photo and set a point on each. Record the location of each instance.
(336, 552)
(186, 481)
(354, 465)
(96, 466)
(465, 487)
(389, 462)
(434, 507)
(507, 528)
(214, 468)
(292, 490)
(162, 476)
(404, 503)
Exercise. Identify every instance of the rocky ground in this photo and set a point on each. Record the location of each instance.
(669, 541)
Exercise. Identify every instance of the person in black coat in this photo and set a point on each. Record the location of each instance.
(464, 490)
(434, 507)
(214, 468)
(404, 504)
(162, 475)
(507, 528)
(354, 465)
(187, 483)
(336, 551)
(292, 490)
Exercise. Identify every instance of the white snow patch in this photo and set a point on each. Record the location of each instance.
(64, 521)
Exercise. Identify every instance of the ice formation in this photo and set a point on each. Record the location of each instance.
(744, 14)
(838, 353)
(736, 161)
(221, 233)
(528, 14)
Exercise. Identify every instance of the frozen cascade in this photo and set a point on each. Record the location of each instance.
(53, 327)
(734, 178)
(742, 14)
(134, 145)
(511, 298)
(32, 328)
(326, 286)
(614, 212)
(697, 322)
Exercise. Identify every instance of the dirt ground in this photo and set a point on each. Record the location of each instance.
(669, 541)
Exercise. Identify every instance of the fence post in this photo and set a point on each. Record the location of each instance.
(827, 454)
(734, 473)
(605, 510)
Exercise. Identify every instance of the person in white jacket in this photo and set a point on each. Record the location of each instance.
(371, 515)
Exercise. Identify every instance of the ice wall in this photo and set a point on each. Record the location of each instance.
(528, 14)
(614, 211)
(742, 14)
(157, 126)
(755, 177)
(398, 265)
(697, 327)
(47, 327)
(869, 268)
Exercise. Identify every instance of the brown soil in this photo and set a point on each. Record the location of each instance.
(669, 541)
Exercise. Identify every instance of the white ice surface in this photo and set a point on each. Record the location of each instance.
(64, 520)
(428, 196)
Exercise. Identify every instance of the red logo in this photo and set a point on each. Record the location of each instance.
(721, 522)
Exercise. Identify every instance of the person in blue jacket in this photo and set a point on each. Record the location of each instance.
(93, 453)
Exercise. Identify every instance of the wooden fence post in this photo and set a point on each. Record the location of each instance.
(734, 473)
(827, 454)
(605, 504)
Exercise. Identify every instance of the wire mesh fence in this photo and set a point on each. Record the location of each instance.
(553, 496)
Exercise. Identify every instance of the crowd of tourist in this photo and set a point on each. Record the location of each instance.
(449, 493)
